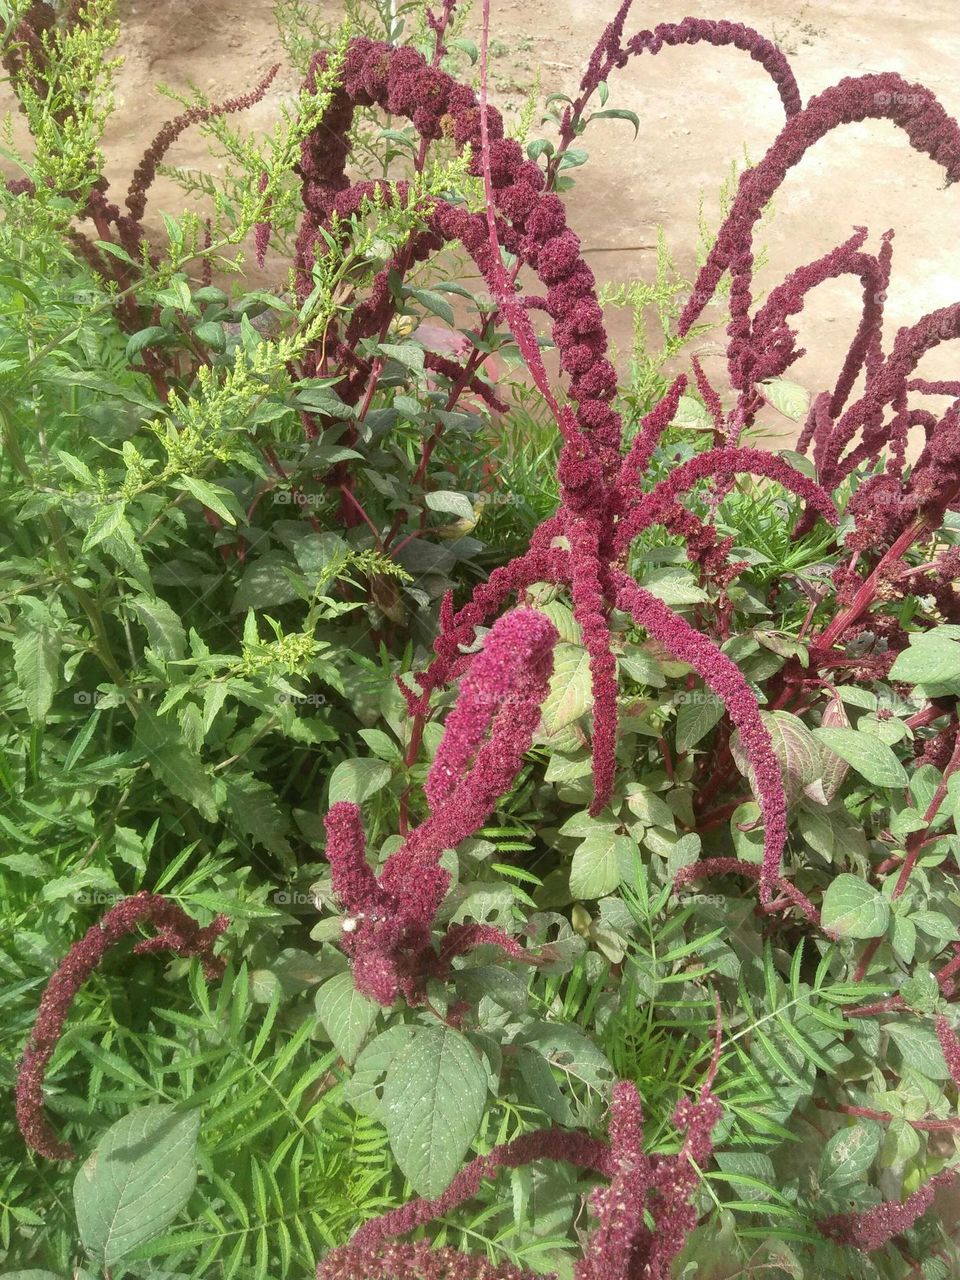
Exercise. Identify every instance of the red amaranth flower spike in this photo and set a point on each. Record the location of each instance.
(387, 933)
(622, 1246)
(176, 932)
(872, 1228)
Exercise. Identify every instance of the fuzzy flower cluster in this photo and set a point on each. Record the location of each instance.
(387, 929)
(872, 1228)
(176, 932)
(643, 1215)
(603, 508)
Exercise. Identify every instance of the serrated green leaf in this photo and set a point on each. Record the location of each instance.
(164, 629)
(253, 811)
(36, 661)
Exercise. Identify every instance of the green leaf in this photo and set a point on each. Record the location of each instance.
(570, 694)
(871, 758)
(789, 398)
(208, 495)
(252, 810)
(361, 1090)
(850, 1153)
(854, 909)
(698, 713)
(433, 1102)
(172, 763)
(347, 1016)
(407, 353)
(138, 1179)
(358, 780)
(434, 302)
(212, 334)
(164, 629)
(36, 661)
(931, 658)
(107, 520)
(567, 1075)
(619, 113)
(265, 583)
(457, 504)
(919, 1048)
(599, 864)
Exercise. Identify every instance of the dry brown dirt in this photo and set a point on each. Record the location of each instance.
(699, 109)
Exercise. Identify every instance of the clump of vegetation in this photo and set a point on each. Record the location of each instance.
(539, 752)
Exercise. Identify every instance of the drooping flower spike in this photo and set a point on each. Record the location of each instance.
(602, 509)
(176, 932)
(387, 931)
(640, 1189)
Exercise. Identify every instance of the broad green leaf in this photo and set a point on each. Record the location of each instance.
(347, 1016)
(138, 1179)
(599, 863)
(871, 758)
(36, 661)
(795, 748)
(363, 1089)
(931, 658)
(699, 711)
(919, 1048)
(457, 504)
(357, 780)
(434, 302)
(850, 1153)
(789, 398)
(570, 694)
(567, 1075)
(692, 415)
(854, 909)
(433, 1102)
(674, 585)
(265, 583)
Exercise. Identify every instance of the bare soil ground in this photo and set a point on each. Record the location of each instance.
(700, 108)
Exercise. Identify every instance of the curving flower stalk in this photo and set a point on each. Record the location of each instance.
(640, 1189)
(176, 932)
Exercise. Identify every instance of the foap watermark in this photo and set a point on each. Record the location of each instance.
(303, 699)
(294, 898)
(88, 698)
(701, 899)
(295, 498)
